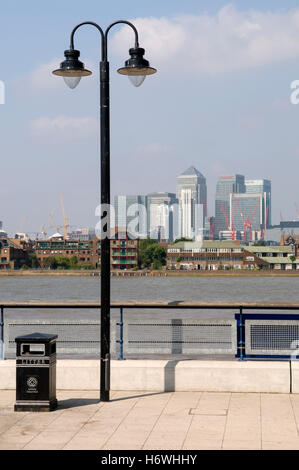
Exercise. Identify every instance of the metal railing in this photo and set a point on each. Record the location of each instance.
(245, 335)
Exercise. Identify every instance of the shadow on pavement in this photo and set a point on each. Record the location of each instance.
(75, 402)
(142, 395)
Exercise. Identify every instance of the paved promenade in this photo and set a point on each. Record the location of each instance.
(137, 420)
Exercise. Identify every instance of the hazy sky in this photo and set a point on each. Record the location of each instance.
(220, 101)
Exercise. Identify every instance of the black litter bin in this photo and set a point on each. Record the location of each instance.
(36, 372)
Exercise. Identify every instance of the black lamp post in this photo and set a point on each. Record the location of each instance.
(71, 69)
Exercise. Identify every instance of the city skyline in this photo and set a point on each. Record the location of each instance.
(172, 215)
(227, 109)
(242, 209)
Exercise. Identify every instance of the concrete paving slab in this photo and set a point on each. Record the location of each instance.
(278, 419)
(243, 426)
(154, 421)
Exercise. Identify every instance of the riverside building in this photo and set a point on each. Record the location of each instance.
(222, 255)
(123, 250)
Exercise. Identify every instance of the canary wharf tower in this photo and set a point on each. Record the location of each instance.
(192, 197)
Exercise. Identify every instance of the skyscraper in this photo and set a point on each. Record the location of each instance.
(246, 213)
(131, 212)
(226, 186)
(263, 187)
(160, 215)
(192, 197)
(242, 205)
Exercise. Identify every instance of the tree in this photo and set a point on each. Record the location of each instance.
(62, 262)
(33, 261)
(150, 253)
(73, 262)
(182, 239)
(260, 243)
(50, 262)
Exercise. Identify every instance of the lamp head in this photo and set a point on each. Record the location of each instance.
(72, 69)
(137, 68)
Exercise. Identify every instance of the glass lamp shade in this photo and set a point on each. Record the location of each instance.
(136, 80)
(71, 69)
(137, 68)
(72, 82)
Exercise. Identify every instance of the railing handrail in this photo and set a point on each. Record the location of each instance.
(179, 304)
(133, 304)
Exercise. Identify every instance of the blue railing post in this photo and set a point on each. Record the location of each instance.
(121, 335)
(241, 339)
(2, 334)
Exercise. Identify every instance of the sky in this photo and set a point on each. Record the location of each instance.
(221, 101)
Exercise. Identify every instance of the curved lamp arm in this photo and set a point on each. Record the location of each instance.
(113, 24)
(103, 36)
(83, 24)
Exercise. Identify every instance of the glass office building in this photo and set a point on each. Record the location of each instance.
(192, 197)
(226, 185)
(131, 212)
(162, 215)
(246, 212)
(263, 187)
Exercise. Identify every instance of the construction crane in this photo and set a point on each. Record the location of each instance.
(44, 228)
(19, 230)
(66, 221)
(252, 217)
(245, 221)
(297, 210)
(230, 228)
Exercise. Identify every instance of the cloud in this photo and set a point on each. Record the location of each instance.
(64, 127)
(212, 44)
(42, 79)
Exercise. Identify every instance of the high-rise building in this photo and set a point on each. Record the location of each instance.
(161, 215)
(263, 187)
(192, 197)
(242, 206)
(246, 214)
(131, 213)
(226, 186)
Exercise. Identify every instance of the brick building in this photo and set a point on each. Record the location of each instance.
(13, 254)
(215, 255)
(123, 251)
(58, 246)
(291, 241)
(211, 255)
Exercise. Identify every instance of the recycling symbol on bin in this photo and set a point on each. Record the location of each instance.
(32, 382)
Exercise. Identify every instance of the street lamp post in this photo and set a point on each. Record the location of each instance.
(72, 69)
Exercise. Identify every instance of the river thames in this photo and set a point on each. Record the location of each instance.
(243, 289)
(202, 289)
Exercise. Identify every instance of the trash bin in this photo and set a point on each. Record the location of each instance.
(36, 372)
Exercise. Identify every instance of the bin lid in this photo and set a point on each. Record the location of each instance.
(36, 338)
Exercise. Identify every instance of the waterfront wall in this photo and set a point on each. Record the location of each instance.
(162, 273)
(173, 375)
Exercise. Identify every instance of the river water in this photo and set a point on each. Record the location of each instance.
(234, 289)
(243, 289)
